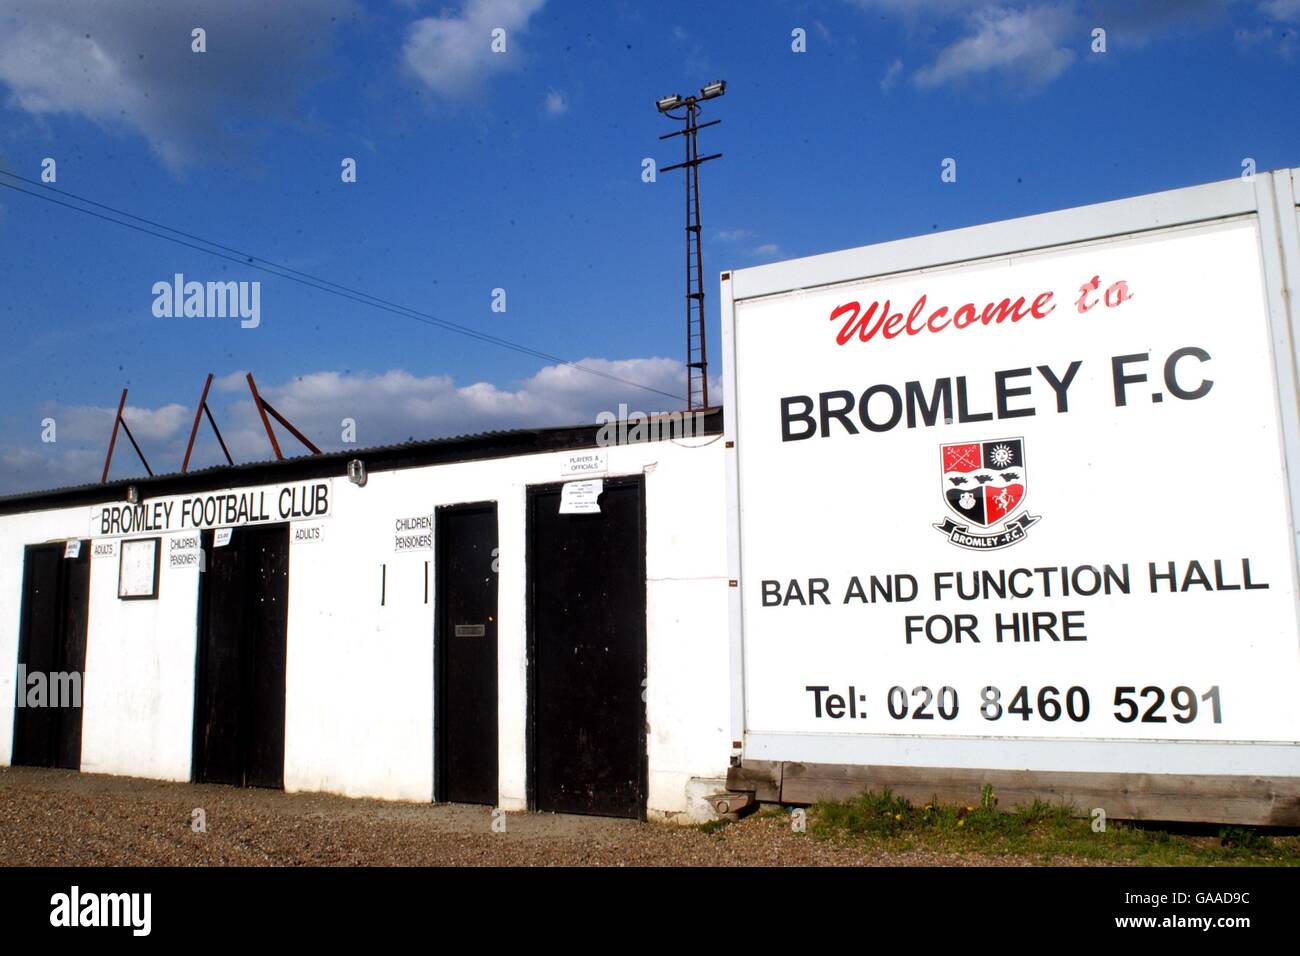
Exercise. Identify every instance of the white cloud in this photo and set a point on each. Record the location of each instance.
(91, 423)
(397, 405)
(129, 64)
(1033, 41)
(1281, 9)
(765, 250)
(451, 53)
(1135, 25)
(388, 407)
(27, 469)
(555, 103)
(82, 432)
(910, 8)
(891, 75)
(1282, 42)
(1026, 44)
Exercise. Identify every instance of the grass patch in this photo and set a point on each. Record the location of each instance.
(713, 826)
(1041, 831)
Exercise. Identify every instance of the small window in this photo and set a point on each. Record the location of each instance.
(137, 576)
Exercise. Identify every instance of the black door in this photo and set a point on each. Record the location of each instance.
(586, 613)
(466, 654)
(51, 657)
(243, 627)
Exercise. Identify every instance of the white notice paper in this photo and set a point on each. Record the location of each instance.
(581, 497)
(221, 537)
(72, 549)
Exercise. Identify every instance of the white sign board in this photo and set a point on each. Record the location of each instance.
(261, 505)
(1038, 497)
(593, 462)
(310, 532)
(184, 551)
(413, 533)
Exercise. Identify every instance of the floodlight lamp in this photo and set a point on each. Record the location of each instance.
(714, 89)
(669, 102)
(357, 472)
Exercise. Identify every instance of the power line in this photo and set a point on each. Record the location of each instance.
(304, 278)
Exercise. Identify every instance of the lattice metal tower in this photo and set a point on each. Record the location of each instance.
(697, 352)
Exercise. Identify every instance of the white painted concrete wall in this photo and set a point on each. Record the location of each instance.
(16, 532)
(138, 690)
(138, 704)
(359, 694)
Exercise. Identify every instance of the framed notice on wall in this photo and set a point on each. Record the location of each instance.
(137, 578)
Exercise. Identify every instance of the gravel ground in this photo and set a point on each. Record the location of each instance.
(62, 818)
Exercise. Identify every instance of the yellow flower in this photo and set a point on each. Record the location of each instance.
(970, 809)
(898, 816)
(961, 823)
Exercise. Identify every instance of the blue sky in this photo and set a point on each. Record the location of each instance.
(522, 170)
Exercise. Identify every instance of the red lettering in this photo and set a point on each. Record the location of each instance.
(1082, 304)
(846, 333)
(864, 325)
(1002, 310)
(1121, 294)
(893, 324)
(914, 314)
(856, 326)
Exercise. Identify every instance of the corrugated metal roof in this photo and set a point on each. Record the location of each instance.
(488, 444)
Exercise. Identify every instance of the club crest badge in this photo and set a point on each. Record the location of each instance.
(984, 485)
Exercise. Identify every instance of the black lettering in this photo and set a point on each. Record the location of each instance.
(963, 412)
(1171, 374)
(1121, 378)
(1003, 393)
(804, 416)
(894, 416)
(1060, 385)
(817, 697)
(840, 414)
(929, 411)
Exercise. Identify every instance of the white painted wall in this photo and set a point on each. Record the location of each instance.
(16, 532)
(138, 704)
(138, 691)
(359, 694)
(360, 726)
